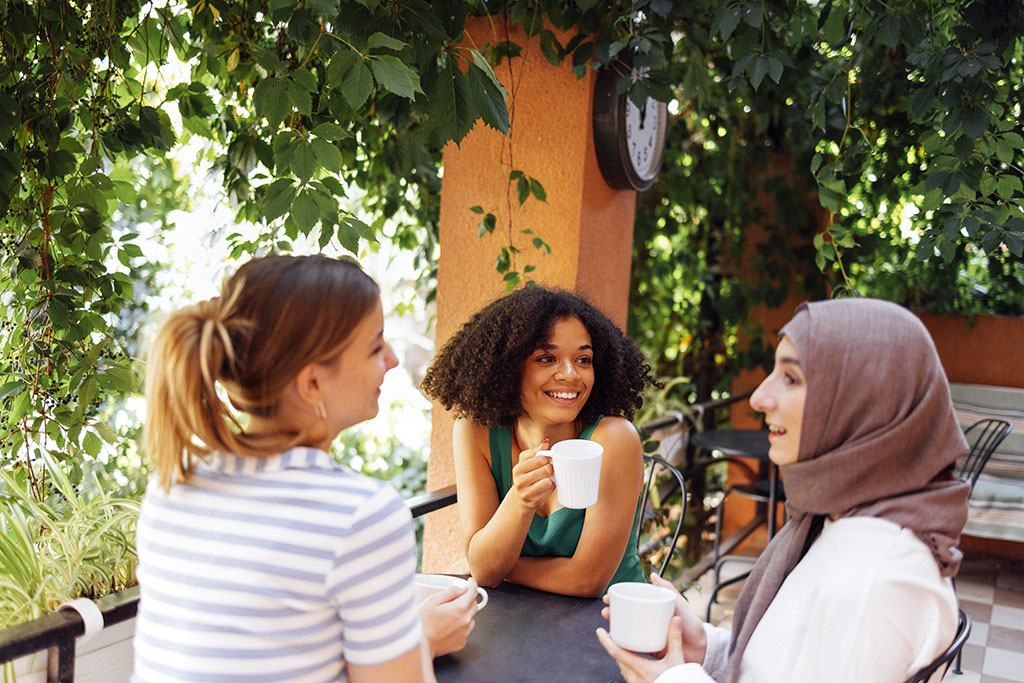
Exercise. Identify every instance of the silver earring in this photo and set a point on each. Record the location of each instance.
(321, 410)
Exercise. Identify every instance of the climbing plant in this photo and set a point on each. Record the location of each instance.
(877, 145)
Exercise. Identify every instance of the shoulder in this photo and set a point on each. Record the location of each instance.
(466, 429)
(871, 560)
(616, 430)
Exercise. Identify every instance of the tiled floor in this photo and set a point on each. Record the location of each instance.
(991, 591)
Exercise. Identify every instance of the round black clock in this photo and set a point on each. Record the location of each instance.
(629, 140)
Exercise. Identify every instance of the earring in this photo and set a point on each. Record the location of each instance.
(321, 410)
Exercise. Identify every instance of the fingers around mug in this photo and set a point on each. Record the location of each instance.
(530, 452)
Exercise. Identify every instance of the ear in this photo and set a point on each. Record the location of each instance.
(307, 383)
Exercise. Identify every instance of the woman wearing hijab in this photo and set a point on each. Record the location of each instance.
(857, 586)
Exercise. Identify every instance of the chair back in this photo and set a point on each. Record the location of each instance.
(984, 437)
(662, 481)
(943, 660)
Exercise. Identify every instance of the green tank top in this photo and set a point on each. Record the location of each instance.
(558, 534)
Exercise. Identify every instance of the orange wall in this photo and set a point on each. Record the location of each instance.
(588, 226)
(986, 350)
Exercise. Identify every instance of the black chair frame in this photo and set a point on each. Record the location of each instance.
(988, 434)
(653, 464)
(962, 632)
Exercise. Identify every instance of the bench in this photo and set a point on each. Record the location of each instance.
(996, 507)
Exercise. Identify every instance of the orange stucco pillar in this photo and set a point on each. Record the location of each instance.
(588, 225)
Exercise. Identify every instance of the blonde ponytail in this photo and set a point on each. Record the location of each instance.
(274, 316)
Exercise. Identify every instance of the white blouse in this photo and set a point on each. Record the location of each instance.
(867, 603)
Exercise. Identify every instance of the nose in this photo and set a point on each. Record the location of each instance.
(566, 369)
(761, 400)
(391, 360)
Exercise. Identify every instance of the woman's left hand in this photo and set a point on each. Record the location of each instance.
(637, 669)
(448, 616)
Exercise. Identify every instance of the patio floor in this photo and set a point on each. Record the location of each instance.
(991, 591)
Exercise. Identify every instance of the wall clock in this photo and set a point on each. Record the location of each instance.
(629, 140)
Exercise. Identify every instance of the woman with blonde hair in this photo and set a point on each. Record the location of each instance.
(857, 586)
(260, 558)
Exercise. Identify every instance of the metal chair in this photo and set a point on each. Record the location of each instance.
(988, 434)
(946, 657)
(761, 492)
(657, 490)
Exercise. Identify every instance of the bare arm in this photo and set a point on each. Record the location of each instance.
(414, 666)
(607, 525)
(494, 530)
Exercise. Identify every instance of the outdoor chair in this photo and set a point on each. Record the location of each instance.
(943, 660)
(661, 481)
(759, 491)
(988, 434)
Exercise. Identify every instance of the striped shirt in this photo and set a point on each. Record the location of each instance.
(278, 569)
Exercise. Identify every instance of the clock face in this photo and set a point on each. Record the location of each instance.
(643, 135)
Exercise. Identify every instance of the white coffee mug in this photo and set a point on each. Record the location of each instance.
(428, 584)
(577, 464)
(640, 614)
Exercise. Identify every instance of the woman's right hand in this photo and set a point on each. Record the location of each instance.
(694, 639)
(531, 477)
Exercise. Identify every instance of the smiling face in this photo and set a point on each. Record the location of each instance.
(781, 398)
(558, 376)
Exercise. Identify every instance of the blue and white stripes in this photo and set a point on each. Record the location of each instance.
(278, 569)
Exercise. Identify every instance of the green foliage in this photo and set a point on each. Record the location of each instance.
(68, 545)
(877, 144)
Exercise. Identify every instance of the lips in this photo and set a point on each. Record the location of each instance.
(563, 395)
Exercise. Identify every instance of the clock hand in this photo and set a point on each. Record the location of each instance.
(643, 114)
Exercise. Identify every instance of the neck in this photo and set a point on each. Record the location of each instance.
(529, 433)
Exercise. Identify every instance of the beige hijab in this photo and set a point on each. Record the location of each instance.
(879, 438)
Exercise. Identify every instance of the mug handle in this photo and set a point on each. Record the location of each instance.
(550, 456)
(483, 598)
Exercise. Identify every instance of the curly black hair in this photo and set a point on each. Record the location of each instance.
(478, 371)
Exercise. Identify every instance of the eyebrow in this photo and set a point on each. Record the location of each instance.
(547, 347)
(790, 360)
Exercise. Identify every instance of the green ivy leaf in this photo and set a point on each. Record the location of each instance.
(450, 102)
(726, 20)
(305, 211)
(330, 131)
(92, 444)
(327, 155)
(357, 84)
(758, 71)
(538, 190)
(305, 79)
(393, 74)
(303, 160)
(298, 96)
(522, 190)
(835, 25)
(383, 40)
(278, 198)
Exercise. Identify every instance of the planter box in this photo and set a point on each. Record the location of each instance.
(106, 658)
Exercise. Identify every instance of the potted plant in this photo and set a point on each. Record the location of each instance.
(77, 542)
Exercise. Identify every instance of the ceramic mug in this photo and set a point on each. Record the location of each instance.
(428, 584)
(640, 614)
(577, 464)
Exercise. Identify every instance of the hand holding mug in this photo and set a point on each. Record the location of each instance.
(531, 477)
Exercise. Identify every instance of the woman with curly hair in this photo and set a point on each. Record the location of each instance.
(533, 368)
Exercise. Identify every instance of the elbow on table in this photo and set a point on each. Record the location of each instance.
(485, 576)
(485, 579)
(590, 589)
